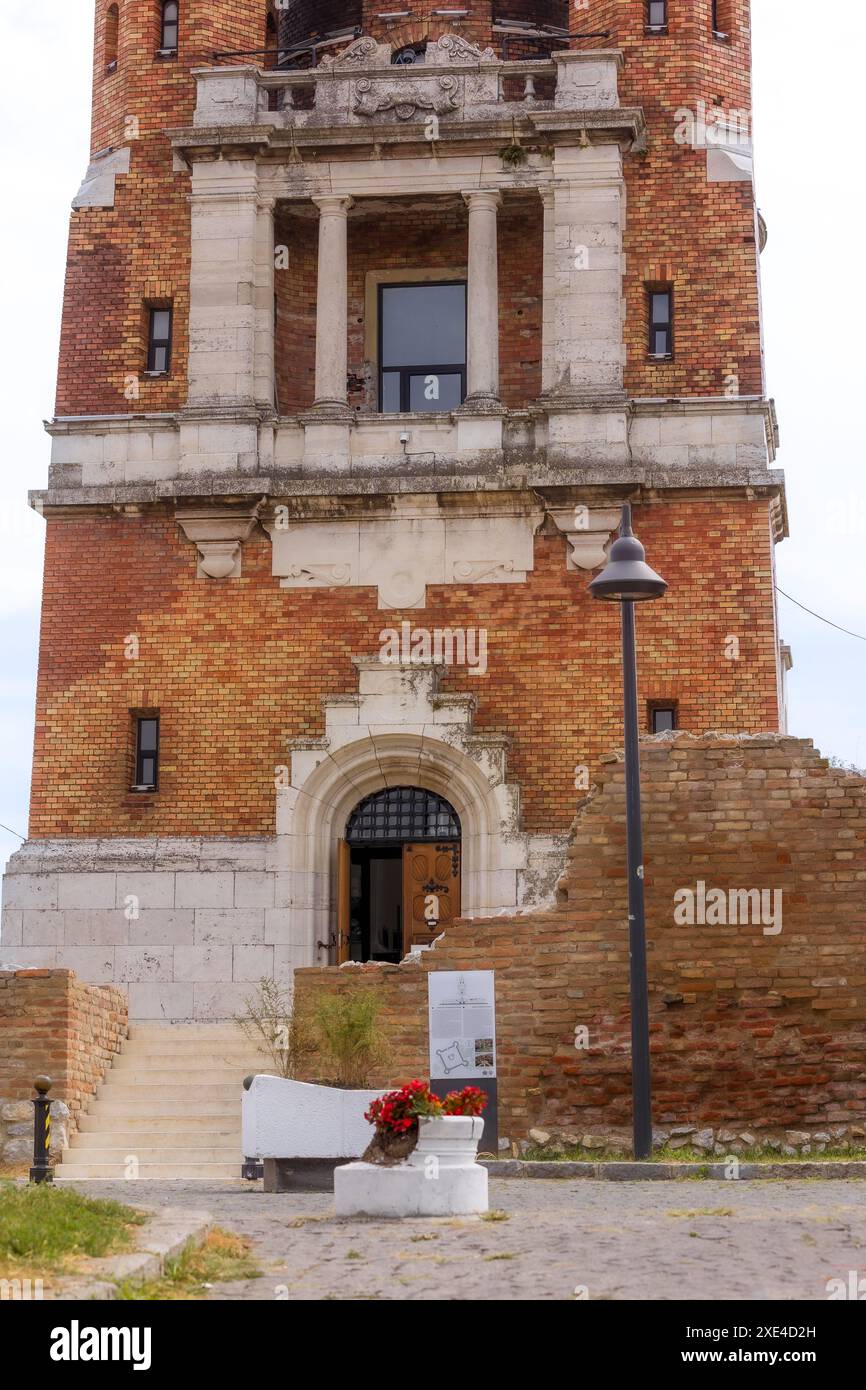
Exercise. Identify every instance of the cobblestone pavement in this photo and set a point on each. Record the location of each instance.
(612, 1240)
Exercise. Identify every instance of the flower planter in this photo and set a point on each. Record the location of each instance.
(302, 1131)
(439, 1178)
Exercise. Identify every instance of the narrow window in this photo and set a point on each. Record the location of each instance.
(168, 37)
(159, 342)
(422, 359)
(112, 27)
(657, 15)
(146, 753)
(719, 19)
(662, 718)
(661, 333)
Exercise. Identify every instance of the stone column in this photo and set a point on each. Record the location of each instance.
(331, 303)
(482, 303)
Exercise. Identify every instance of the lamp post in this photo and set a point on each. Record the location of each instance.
(627, 579)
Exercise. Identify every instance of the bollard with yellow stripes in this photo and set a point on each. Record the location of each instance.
(42, 1170)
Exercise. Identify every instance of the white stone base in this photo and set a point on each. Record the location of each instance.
(404, 1189)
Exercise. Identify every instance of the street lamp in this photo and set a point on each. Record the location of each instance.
(627, 579)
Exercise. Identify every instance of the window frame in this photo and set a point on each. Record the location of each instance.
(112, 37)
(651, 26)
(406, 373)
(139, 754)
(153, 343)
(164, 23)
(654, 325)
(655, 707)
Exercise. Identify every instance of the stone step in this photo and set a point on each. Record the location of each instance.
(180, 1032)
(116, 1172)
(148, 1055)
(225, 1153)
(150, 1138)
(161, 1111)
(153, 1085)
(128, 1119)
(158, 1069)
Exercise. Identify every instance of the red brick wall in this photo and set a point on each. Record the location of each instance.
(252, 660)
(53, 1024)
(763, 1031)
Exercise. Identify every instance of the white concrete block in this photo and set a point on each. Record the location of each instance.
(254, 890)
(205, 963)
(204, 889)
(30, 890)
(161, 1001)
(86, 890)
(101, 927)
(229, 926)
(220, 1001)
(10, 928)
(252, 963)
(41, 927)
(162, 927)
(369, 1189)
(93, 964)
(152, 890)
(138, 964)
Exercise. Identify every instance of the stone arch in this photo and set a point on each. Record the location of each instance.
(400, 730)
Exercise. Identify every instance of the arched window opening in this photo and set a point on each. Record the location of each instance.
(402, 814)
(169, 27)
(112, 31)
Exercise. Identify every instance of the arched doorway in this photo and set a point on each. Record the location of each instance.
(399, 873)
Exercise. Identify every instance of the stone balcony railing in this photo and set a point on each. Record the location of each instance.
(458, 85)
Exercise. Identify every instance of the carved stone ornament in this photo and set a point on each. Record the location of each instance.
(402, 552)
(588, 531)
(365, 52)
(405, 98)
(451, 48)
(218, 537)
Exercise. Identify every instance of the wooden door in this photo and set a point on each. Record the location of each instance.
(344, 878)
(431, 891)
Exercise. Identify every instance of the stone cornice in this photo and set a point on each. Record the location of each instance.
(623, 124)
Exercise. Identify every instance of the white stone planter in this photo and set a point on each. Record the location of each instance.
(439, 1178)
(302, 1128)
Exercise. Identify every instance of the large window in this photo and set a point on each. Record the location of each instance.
(422, 357)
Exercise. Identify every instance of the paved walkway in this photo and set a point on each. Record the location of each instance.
(605, 1240)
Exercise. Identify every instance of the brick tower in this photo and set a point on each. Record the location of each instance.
(371, 323)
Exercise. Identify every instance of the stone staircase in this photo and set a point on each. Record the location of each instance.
(169, 1107)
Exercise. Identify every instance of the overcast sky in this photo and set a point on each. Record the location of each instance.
(813, 293)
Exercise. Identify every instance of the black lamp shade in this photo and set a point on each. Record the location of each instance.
(627, 576)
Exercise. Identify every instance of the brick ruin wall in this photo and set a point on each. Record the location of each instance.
(52, 1024)
(751, 1029)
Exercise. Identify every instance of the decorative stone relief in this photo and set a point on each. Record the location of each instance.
(439, 95)
(588, 531)
(218, 537)
(365, 52)
(451, 48)
(399, 553)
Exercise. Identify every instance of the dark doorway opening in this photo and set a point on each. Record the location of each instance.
(400, 881)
